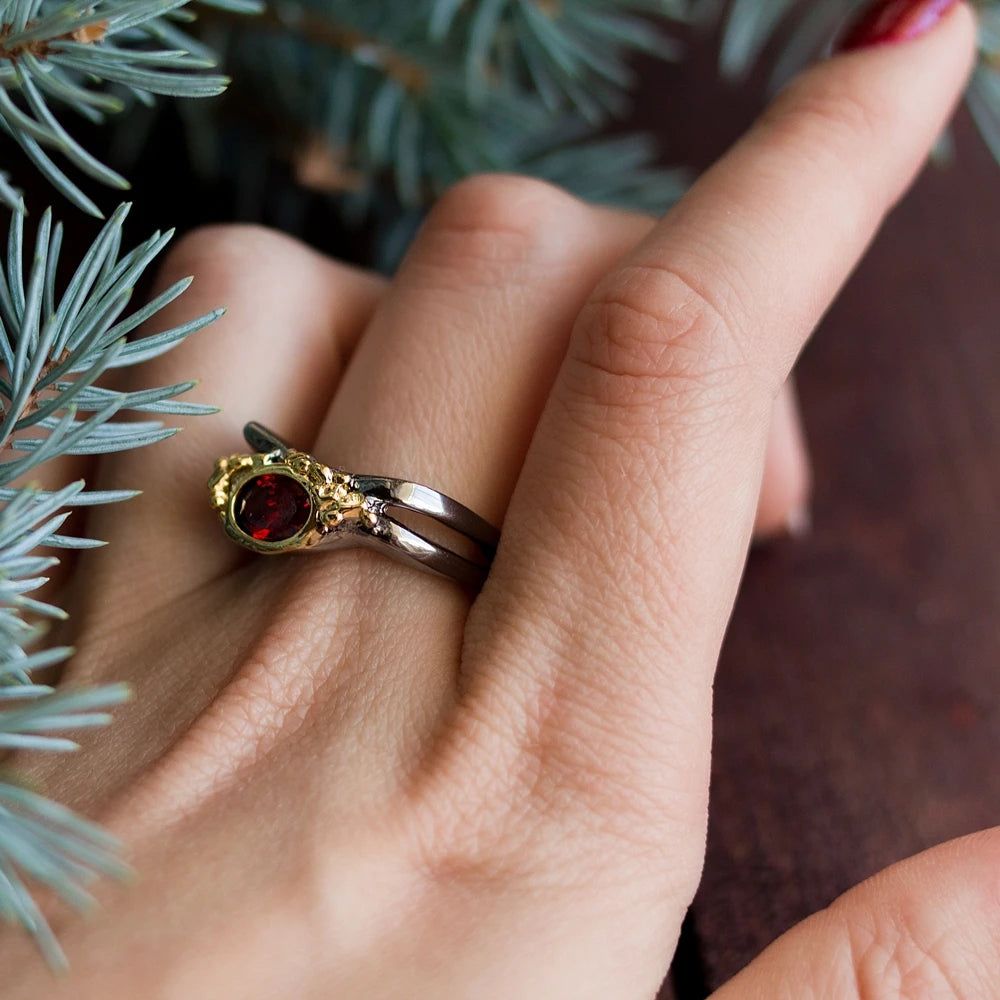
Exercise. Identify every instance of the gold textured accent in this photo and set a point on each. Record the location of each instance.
(336, 506)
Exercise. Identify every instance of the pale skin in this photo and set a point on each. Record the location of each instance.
(344, 778)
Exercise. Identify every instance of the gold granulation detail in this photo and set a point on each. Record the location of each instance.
(221, 482)
(336, 504)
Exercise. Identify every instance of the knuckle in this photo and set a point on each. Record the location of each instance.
(508, 799)
(225, 252)
(811, 109)
(650, 333)
(830, 126)
(500, 217)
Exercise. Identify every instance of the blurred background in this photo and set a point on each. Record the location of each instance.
(859, 692)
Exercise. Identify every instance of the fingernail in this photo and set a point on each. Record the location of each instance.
(886, 22)
(799, 523)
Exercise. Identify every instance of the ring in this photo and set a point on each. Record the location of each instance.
(279, 500)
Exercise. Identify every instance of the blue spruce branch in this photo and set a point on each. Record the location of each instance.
(385, 105)
(54, 346)
(91, 59)
(87, 59)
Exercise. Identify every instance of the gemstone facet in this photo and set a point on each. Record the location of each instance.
(272, 507)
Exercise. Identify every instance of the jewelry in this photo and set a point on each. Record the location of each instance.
(282, 500)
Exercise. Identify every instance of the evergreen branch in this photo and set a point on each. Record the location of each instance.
(54, 345)
(984, 93)
(55, 349)
(29, 712)
(385, 105)
(573, 54)
(9, 195)
(54, 52)
(581, 166)
(91, 498)
(46, 844)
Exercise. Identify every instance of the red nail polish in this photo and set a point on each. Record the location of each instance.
(888, 21)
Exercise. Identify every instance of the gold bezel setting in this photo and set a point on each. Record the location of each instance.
(335, 502)
(278, 499)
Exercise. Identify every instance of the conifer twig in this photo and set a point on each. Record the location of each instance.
(55, 343)
(58, 55)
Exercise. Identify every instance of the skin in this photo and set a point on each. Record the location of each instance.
(341, 778)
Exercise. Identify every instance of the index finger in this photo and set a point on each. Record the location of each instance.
(625, 541)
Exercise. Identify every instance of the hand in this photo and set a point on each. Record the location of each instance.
(339, 779)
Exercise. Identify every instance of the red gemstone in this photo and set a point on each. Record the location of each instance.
(272, 507)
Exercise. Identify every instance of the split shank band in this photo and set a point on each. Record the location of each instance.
(279, 500)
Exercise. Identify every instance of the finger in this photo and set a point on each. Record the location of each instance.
(783, 508)
(928, 927)
(626, 536)
(445, 389)
(292, 319)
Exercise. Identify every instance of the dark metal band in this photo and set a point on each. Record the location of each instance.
(384, 496)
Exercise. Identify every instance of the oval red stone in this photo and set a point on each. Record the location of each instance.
(272, 507)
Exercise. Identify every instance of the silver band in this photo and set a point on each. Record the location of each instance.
(349, 509)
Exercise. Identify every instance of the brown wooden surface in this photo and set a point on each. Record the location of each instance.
(858, 712)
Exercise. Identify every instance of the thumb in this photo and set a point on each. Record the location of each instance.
(926, 928)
